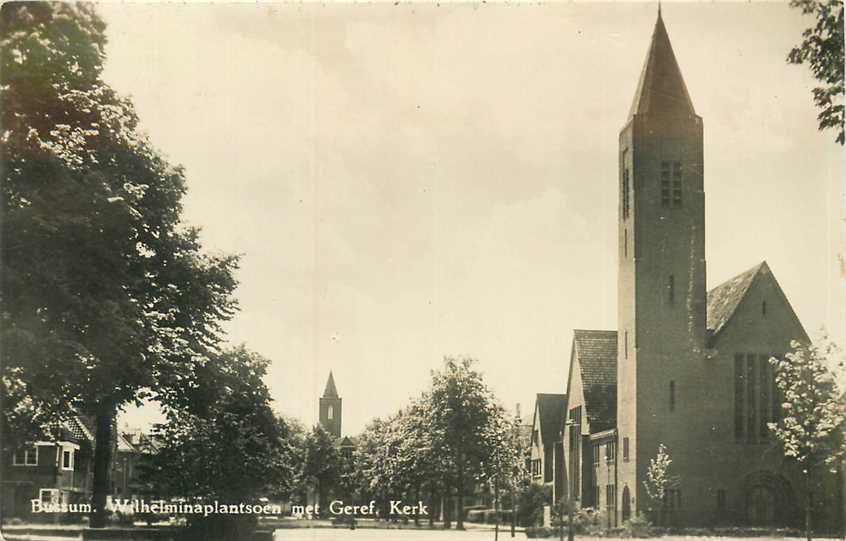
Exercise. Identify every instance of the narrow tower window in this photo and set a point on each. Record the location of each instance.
(764, 308)
(671, 288)
(330, 413)
(671, 184)
(625, 243)
(624, 187)
(677, 184)
(672, 395)
(626, 344)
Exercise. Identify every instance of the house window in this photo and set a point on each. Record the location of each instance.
(26, 456)
(610, 451)
(672, 395)
(721, 500)
(611, 504)
(330, 413)
(575, 423)
(67, 459)
(626, 449)
(536, 467)
(596, 453)
(671, 288)
(49, 496)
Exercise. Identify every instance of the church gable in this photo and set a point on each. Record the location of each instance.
(751, 310)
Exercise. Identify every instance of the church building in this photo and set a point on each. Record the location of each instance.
(686, 368)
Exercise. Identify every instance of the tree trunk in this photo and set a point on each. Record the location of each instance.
(496, 510)
(417, 503)
(459, 521)
(513, 510)
(432, 501)
(447, 507)
(808, 506)
(103, 440)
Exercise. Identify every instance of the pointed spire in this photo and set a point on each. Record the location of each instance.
(661, 88)
(330, 391)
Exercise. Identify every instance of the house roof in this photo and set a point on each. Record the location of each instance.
(596, 352)
(661, 86)
(330, 391)
(724, 299)
(79, 428)
(551, 409)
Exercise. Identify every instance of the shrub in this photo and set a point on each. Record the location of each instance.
(538, 532)
(637, 526)
(530, 502)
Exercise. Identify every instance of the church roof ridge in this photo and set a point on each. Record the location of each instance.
(661, 86)
(724, 299)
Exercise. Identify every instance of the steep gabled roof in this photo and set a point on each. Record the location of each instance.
(596, 352)
(661, 86)
(551, 408)
(724, 299)
(124, 445)
(330, 391)
(79, 428)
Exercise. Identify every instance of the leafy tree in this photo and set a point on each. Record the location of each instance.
(659, 482)
(813, 413)
(461, 417)
(224, 443)
(105, 295)
(503, 468)
(322, 463)
(822, 50)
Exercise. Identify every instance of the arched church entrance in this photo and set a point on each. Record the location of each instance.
(768, 499)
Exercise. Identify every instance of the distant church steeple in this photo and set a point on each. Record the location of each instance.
(330, 408)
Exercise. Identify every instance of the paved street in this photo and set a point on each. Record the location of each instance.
(363, 534)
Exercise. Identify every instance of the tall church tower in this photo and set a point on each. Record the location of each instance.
(661, 277)
(330, 408)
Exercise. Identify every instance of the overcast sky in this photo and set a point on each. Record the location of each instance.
(412, 181)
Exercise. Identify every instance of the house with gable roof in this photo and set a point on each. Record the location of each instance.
(546, 448)
(55, 472)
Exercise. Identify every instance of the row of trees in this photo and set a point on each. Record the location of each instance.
(451, 440)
